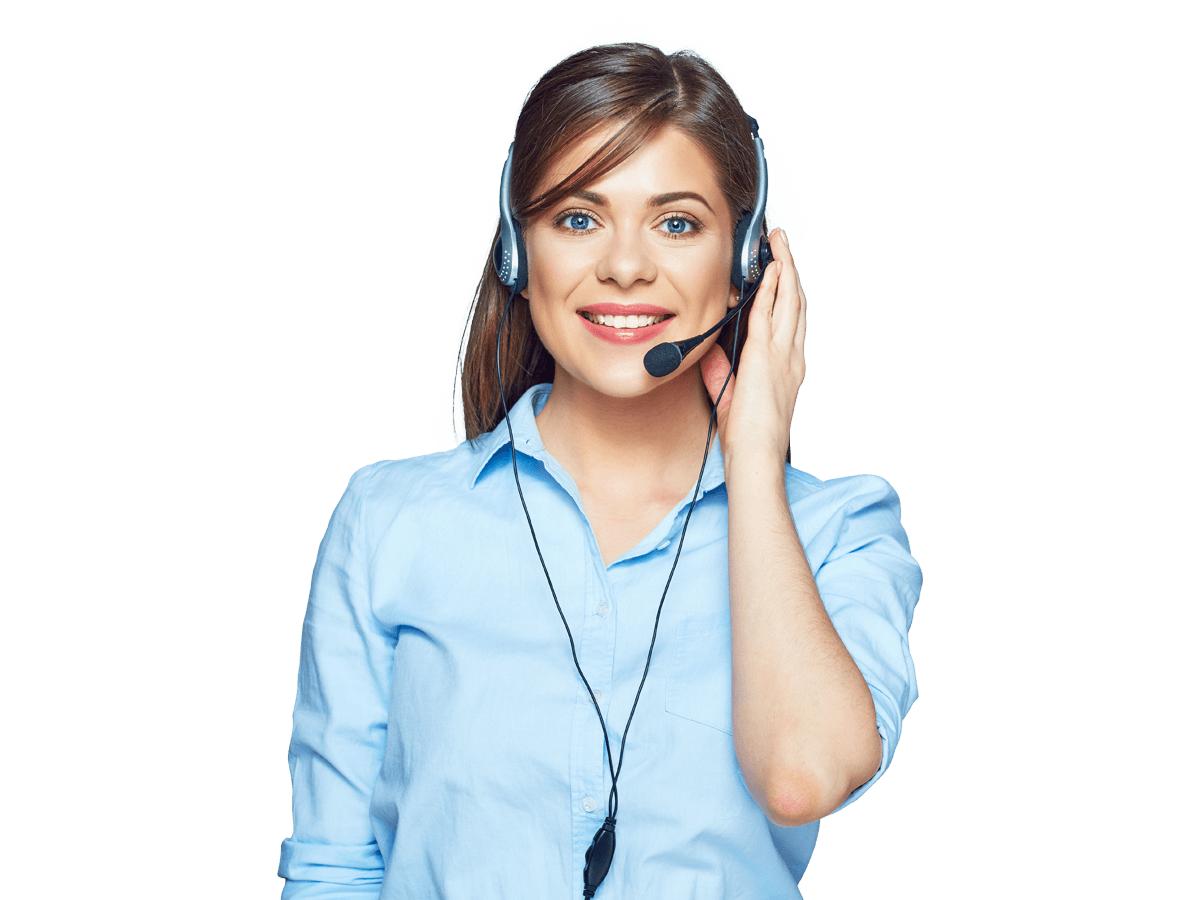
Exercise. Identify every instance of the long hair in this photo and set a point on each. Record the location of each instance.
(642, 90)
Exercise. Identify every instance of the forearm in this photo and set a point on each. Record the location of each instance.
(803, 717)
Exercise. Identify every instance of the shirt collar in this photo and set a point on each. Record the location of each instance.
(524, 428)
(521, 414)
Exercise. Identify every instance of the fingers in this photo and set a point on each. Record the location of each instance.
(802, 324)
(714, 367)
(789, 298)
(759, 322)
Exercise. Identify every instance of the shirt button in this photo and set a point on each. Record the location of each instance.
(663, 546)
(599, 696)
(589, 805)
(602, 608)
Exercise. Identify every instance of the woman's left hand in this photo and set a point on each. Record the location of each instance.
(772, 364)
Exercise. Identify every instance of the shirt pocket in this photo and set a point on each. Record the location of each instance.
(700, 679)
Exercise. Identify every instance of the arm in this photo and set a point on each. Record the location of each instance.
(821, 678)
(340, 720)
(803, 716)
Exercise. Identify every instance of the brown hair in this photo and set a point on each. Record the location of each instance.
(643, 90)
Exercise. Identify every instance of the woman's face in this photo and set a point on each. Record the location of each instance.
(651, 239)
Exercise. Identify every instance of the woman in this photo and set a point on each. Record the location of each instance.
(476, 615)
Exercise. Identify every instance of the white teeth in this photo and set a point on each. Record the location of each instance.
(623, 321)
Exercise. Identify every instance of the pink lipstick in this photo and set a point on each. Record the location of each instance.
(617, 334)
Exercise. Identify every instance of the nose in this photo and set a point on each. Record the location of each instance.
(626, 259)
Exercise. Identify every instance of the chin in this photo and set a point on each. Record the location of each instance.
(624, 382)
(623, 386)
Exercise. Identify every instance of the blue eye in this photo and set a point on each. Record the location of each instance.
(677, 225)
(579, 222)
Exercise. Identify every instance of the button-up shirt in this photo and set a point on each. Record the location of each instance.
(444, 745)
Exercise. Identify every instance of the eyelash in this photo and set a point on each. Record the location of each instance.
(562, 217)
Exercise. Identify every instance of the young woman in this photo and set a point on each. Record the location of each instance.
(598, 648)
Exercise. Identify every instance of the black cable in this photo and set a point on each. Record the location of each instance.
(599, 855)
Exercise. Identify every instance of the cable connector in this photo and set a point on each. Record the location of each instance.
(599, 856)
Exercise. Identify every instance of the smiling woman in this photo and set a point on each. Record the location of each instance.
(586, 117)
(475, 638)
(651, 245)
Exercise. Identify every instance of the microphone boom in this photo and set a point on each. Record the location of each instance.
(663, 359)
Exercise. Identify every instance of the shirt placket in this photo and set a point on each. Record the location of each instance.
(596, 647)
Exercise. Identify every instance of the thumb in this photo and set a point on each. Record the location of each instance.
(714, 367)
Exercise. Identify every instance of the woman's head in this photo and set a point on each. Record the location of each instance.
(640, 90)
(582, 123)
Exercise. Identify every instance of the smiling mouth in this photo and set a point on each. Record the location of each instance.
(626, 322)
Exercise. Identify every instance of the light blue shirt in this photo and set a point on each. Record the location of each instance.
(444, 745)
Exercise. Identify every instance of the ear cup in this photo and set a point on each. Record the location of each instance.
(739, 241)
(506, 259)
(765, 257)
(508, 256)
(758, 262)
(751, 252)
(522, 258)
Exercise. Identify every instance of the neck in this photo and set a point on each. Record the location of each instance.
(657, 437)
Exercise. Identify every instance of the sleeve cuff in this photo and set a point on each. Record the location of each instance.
(888, 735)
(330, 871)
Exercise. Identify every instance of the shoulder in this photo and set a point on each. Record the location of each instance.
(837, 517)
(384, 492)
(812, 497)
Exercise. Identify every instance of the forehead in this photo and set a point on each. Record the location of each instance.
(668, 162)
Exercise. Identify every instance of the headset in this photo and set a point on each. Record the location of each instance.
(751, 255)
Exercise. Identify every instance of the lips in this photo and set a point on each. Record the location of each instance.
(642, 335)
(618, 309)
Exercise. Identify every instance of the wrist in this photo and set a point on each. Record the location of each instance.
(760, 464)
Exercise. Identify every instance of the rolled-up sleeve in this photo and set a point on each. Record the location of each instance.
(869, 583)
(340, 719)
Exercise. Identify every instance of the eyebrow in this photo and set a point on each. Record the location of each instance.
(656, 200)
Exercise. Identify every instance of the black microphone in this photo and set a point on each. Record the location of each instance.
(663, 359)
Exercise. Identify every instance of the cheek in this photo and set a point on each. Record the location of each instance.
(707, 283)
(543, 287)
(556, 274)
(549, 312)
(543, 325)
(553, 272)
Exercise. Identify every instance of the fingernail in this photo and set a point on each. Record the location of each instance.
(785, 240)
